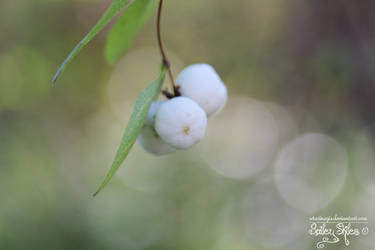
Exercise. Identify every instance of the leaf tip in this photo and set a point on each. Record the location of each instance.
(97, 191)
(56, 76)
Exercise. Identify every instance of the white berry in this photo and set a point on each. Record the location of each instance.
(201, 83)
(181, 122)
(152, 113)
(151, 142)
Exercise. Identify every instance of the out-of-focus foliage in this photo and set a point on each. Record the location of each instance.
(300, 75)
(127, 28)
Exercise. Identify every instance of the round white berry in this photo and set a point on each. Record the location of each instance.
(181, 122)
(201, 83)
(151, 142)
(152, 113)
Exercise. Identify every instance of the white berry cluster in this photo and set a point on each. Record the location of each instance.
(180, 122)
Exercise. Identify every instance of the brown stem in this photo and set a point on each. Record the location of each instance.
(163, 54)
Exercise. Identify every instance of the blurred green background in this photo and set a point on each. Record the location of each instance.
(295, 140)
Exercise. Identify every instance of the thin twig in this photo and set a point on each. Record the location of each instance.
(162, 51)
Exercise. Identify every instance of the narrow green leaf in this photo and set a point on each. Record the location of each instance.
(127, 27)
(134, 125)
(110, 13)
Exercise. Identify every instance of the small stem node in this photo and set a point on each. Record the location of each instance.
(166, 63)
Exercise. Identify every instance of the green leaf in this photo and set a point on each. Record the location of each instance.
(134, 125)
(127, 27)
(110, 13)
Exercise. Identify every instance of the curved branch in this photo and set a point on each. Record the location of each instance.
(161, 48)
